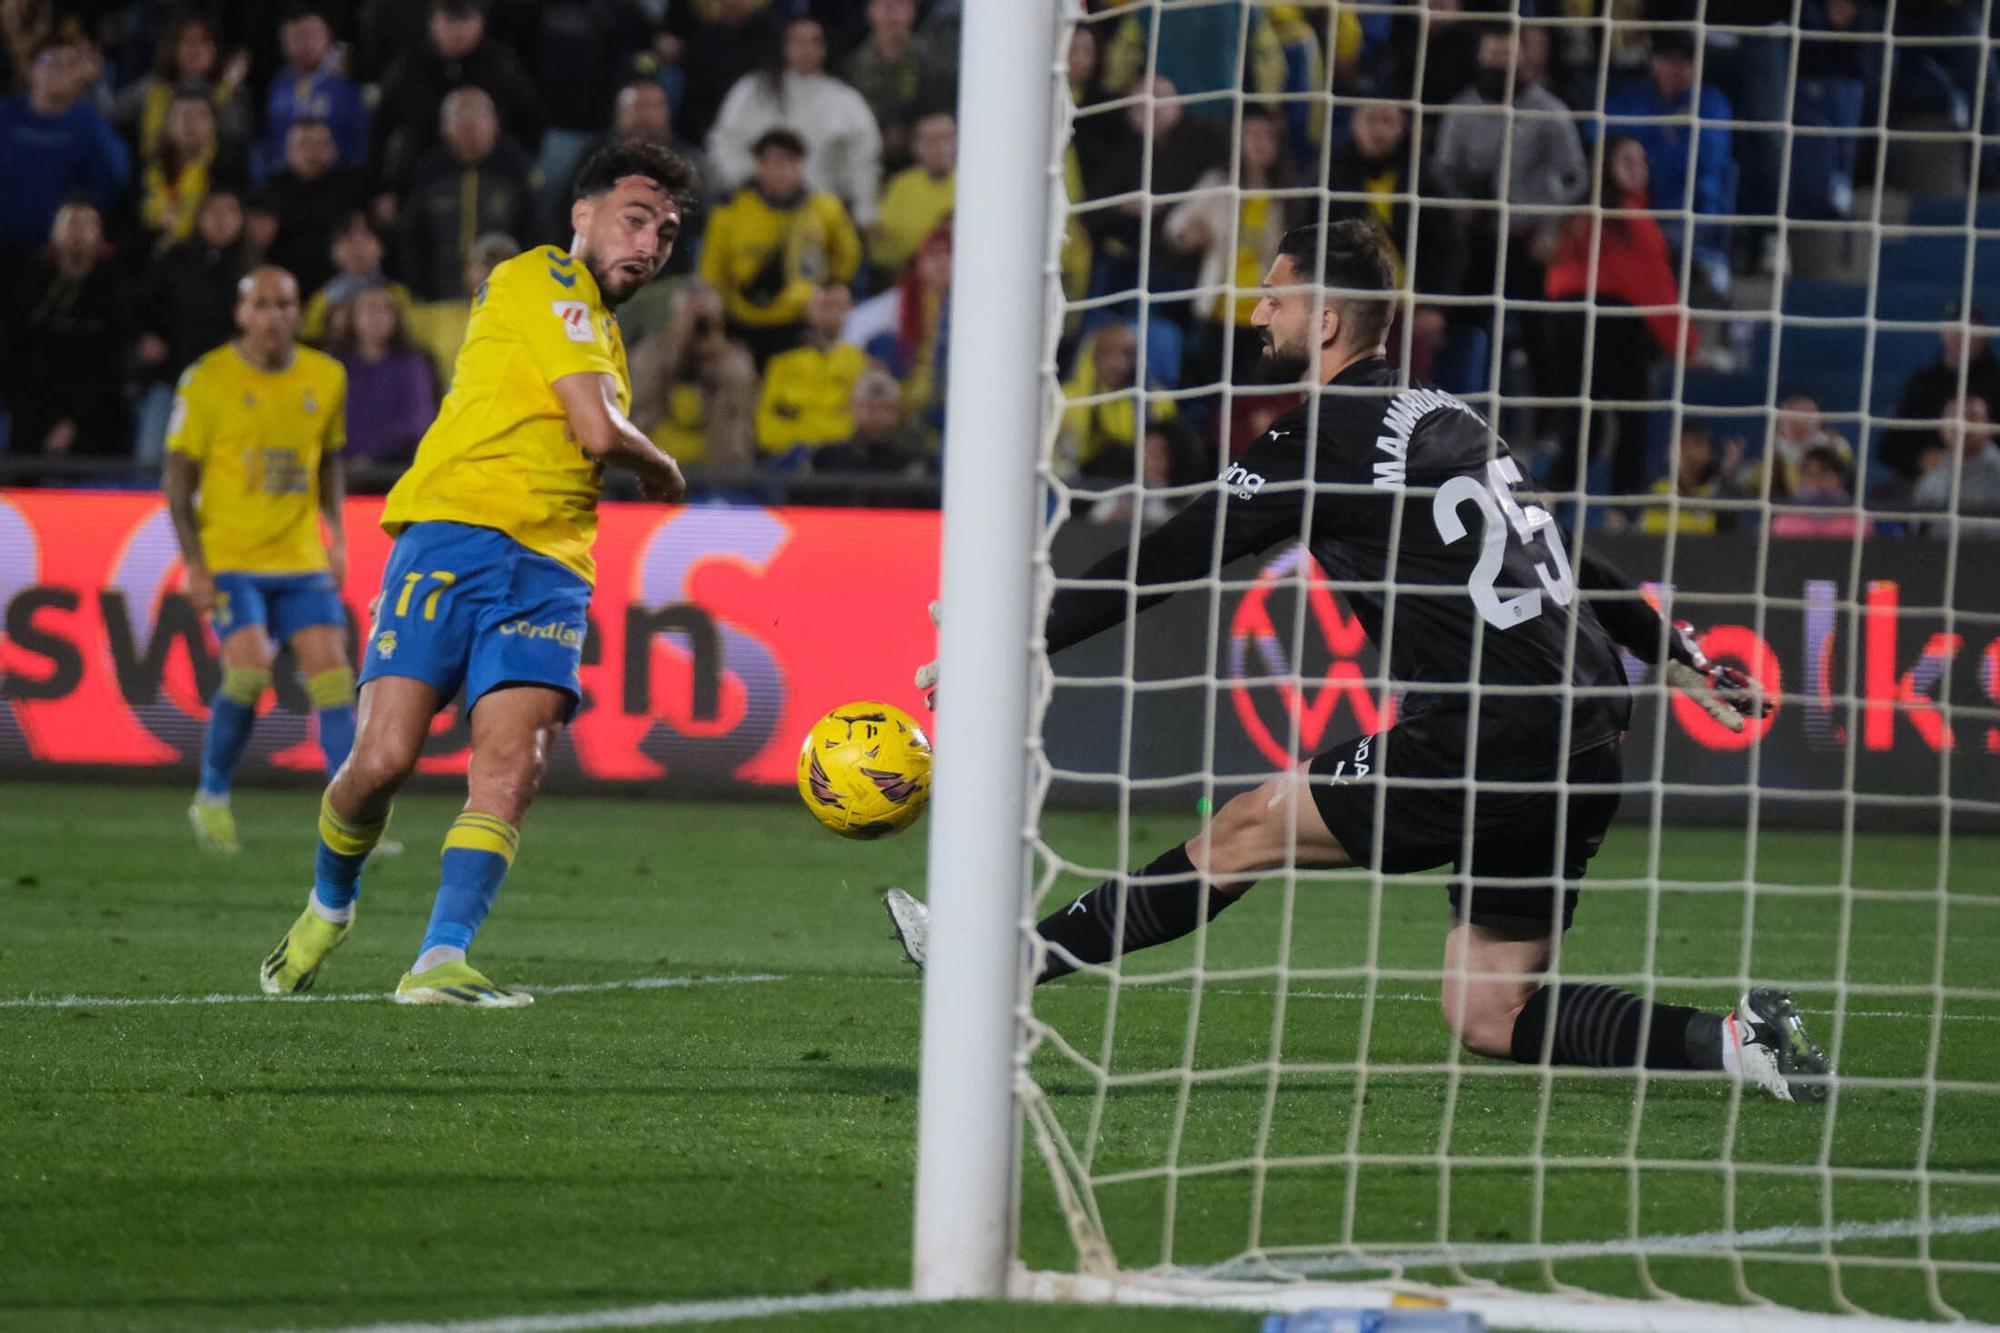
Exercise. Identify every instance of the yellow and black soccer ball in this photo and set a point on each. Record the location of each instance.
(865, 770)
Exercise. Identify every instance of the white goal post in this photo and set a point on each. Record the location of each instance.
(1103, 1109)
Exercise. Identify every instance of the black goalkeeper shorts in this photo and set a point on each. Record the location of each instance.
(1422, 812)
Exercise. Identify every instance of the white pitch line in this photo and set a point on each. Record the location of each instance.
(655, 1316)
(1704, 1242)
(353, 997)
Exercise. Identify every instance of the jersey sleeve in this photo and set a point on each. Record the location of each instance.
(541, 300)
(190, 427)
(1258, 501)
(335, 438)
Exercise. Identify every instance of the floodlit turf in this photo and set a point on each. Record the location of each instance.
(317, 1164)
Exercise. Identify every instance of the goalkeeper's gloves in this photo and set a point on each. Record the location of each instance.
(1725, 694)
(927, 674)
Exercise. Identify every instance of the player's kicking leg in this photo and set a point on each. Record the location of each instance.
(395, 717)
(512, 730)
(246, 674)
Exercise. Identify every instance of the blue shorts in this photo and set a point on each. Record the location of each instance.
(283, 604)
(472, 607)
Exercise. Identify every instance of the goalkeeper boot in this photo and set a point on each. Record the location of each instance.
(1766, 1043)
(214, 827)
(911, 921)
(292, 967)
(458, 983)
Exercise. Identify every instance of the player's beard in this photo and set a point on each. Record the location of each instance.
(1282, 364)
(615, 286)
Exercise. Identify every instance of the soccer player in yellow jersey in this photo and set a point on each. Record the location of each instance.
(488, 582)
(253, 465)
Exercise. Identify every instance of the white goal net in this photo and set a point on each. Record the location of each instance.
(1719, 275)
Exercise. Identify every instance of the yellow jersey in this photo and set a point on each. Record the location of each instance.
(808, 397)
(500, 454)
(259, 436)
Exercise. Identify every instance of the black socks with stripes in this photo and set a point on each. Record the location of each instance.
(1163, 903)
(1600, 1025)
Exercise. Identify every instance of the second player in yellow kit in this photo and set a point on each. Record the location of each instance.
(253, 466)
(489, 580)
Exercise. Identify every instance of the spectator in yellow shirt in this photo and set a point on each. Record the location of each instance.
(357, 253)
(770, 246)
(917, 198)
(809, 391)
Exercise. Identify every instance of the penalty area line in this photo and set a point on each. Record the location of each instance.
(363, 997)
(656, 1316)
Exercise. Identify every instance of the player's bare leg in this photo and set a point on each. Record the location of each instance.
(392, 723)
(513, 729)
(246, 674)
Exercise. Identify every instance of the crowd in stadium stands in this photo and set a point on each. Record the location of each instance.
(390, 152)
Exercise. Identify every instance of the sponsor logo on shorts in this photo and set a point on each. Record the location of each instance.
(385, 644)
(569, 636)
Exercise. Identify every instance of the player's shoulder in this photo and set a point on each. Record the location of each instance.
(206, 369)
(316, 365)
(536, 272)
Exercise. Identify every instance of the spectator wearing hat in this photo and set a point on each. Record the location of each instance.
(773, 244)
(1965, 365)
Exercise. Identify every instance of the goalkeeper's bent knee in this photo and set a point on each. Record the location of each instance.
(245, 685)
(331, 688)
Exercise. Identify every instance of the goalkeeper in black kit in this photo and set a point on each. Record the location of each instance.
(1504, 762)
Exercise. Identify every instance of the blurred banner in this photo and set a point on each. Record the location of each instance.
(719, 634)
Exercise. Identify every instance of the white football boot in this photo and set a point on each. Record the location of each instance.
(911, 921)
(1765, 1043)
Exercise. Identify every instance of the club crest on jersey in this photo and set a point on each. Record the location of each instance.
(1242, 483)
(575, 317)
(311, 404)
(385, 644)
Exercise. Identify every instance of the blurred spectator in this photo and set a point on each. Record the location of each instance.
(1797, 430)
(1098, 437)
(1443, 39)
(1182, 152)
(53, 144)
(473, 182)
(1200, 49)
(919, 197)
(769, 247)
(580, 53)
(923, 307)
(357, 252)
(715, 43)
(1091, 133)
(1631, 269)
(1172, 458)
(899, 85)
(1235, 229)
(642, 111)
(1965, 459)
(186, 306)
(1965, 365)
(392, 393)
(808, 390)
(1672, 153)
(65, 343)
(175, 179)
(188, 59)
(385, 30)
(1696, 476)
(261, 225)
(1820, 482)
(311, 86)
(694, 392)
(312, 196)
(881, 440)
(458, 54)
(439, 326)
(1546, 166)
(843, 147)
(1375, 166)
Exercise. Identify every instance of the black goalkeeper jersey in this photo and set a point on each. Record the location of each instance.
(1415, 509)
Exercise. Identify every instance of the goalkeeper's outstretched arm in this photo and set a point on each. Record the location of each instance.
(1725, 693)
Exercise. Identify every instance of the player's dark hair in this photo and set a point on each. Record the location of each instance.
(778, 137)
(1357, 261)
(635, 157)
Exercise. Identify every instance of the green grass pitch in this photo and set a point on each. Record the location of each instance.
(318, 1164)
